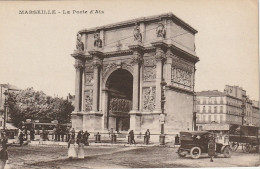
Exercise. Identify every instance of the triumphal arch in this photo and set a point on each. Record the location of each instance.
(138, 74)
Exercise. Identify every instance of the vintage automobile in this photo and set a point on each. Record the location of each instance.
(196, 142)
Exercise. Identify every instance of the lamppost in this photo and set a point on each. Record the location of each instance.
(162, 116)
(243, 112)
(6, 109)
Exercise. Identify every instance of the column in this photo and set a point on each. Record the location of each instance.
(104, 109)
(78, 84)
(159, 58)
(96, 65)
(136, 60)
(135, 85)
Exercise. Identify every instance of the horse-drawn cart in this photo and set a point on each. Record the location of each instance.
(244, 136)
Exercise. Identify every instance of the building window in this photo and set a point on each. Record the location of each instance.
(198, 109)
(204, 101)
(209, 109)
(221, 118)
(210, 100)
(198, 101)
(198, 117)
(215, 101)
(221, 100)
(215, 117)
(204, 117)
(221, 109)
(209, 117)
(215, 109)
(204, 109)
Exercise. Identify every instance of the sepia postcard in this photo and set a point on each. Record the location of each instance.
(129, 84)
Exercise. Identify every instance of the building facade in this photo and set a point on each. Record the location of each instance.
(255, 113)
(229, 107)
(124, 71)
(8, 88)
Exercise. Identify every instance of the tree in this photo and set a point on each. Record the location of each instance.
(36, 105)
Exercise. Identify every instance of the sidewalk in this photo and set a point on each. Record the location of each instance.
(92, 143)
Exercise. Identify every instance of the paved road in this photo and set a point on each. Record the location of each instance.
(119, 157)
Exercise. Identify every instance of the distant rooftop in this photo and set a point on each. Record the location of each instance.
(9, 86)
(211, 93)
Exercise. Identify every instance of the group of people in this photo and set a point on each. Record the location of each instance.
(131, 136)
(81, 140)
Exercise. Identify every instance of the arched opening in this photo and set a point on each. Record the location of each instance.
(120, 88)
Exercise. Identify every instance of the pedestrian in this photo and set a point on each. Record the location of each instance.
(4, 139)
(85, 138)
(58, 133)
(72, 153)
(177, 140)
(67, 133)
(72, 133)
(79, 136)
(32, 132)
(54, 135)
(47, 134)
(21, 135)
(147, 136)
(132, 137)
(43, 134)
(3, 157)
(80, 142)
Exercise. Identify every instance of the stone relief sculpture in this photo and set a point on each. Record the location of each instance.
(89, 79)
(181, 76)
(98, 41)
(119, 105)
(160, 31)
(88, 100)
(137, 34)
(149, 73)
(149, 98)
(149, 69)
(79, 43)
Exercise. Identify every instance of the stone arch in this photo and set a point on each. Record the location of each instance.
(114, 68)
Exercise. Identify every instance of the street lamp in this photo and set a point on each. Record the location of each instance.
(162, 116)
(243, 112)
(6, 108)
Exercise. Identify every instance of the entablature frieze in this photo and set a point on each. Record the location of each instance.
(181, 90)
(169, 51)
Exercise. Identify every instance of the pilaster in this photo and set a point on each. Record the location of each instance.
(160, 58)
(137, 59)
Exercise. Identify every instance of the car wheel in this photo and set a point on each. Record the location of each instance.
(195, 152)
(181, 153)
(227, 152)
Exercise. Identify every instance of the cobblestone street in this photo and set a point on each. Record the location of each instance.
(119, 157)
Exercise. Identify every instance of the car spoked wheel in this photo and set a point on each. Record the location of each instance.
(195, 152)
(181, 153)
(227, 152)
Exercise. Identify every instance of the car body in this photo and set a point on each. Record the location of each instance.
(197, 142)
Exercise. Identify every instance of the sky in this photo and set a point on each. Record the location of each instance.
(35, 49)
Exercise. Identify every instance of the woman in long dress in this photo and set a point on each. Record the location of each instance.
(72, 153)
(80, 142)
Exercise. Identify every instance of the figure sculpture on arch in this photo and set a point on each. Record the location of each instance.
(160, 31)
(137, 34)
(79, 43)
(98, 41)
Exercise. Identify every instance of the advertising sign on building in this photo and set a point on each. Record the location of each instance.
(215, 127)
